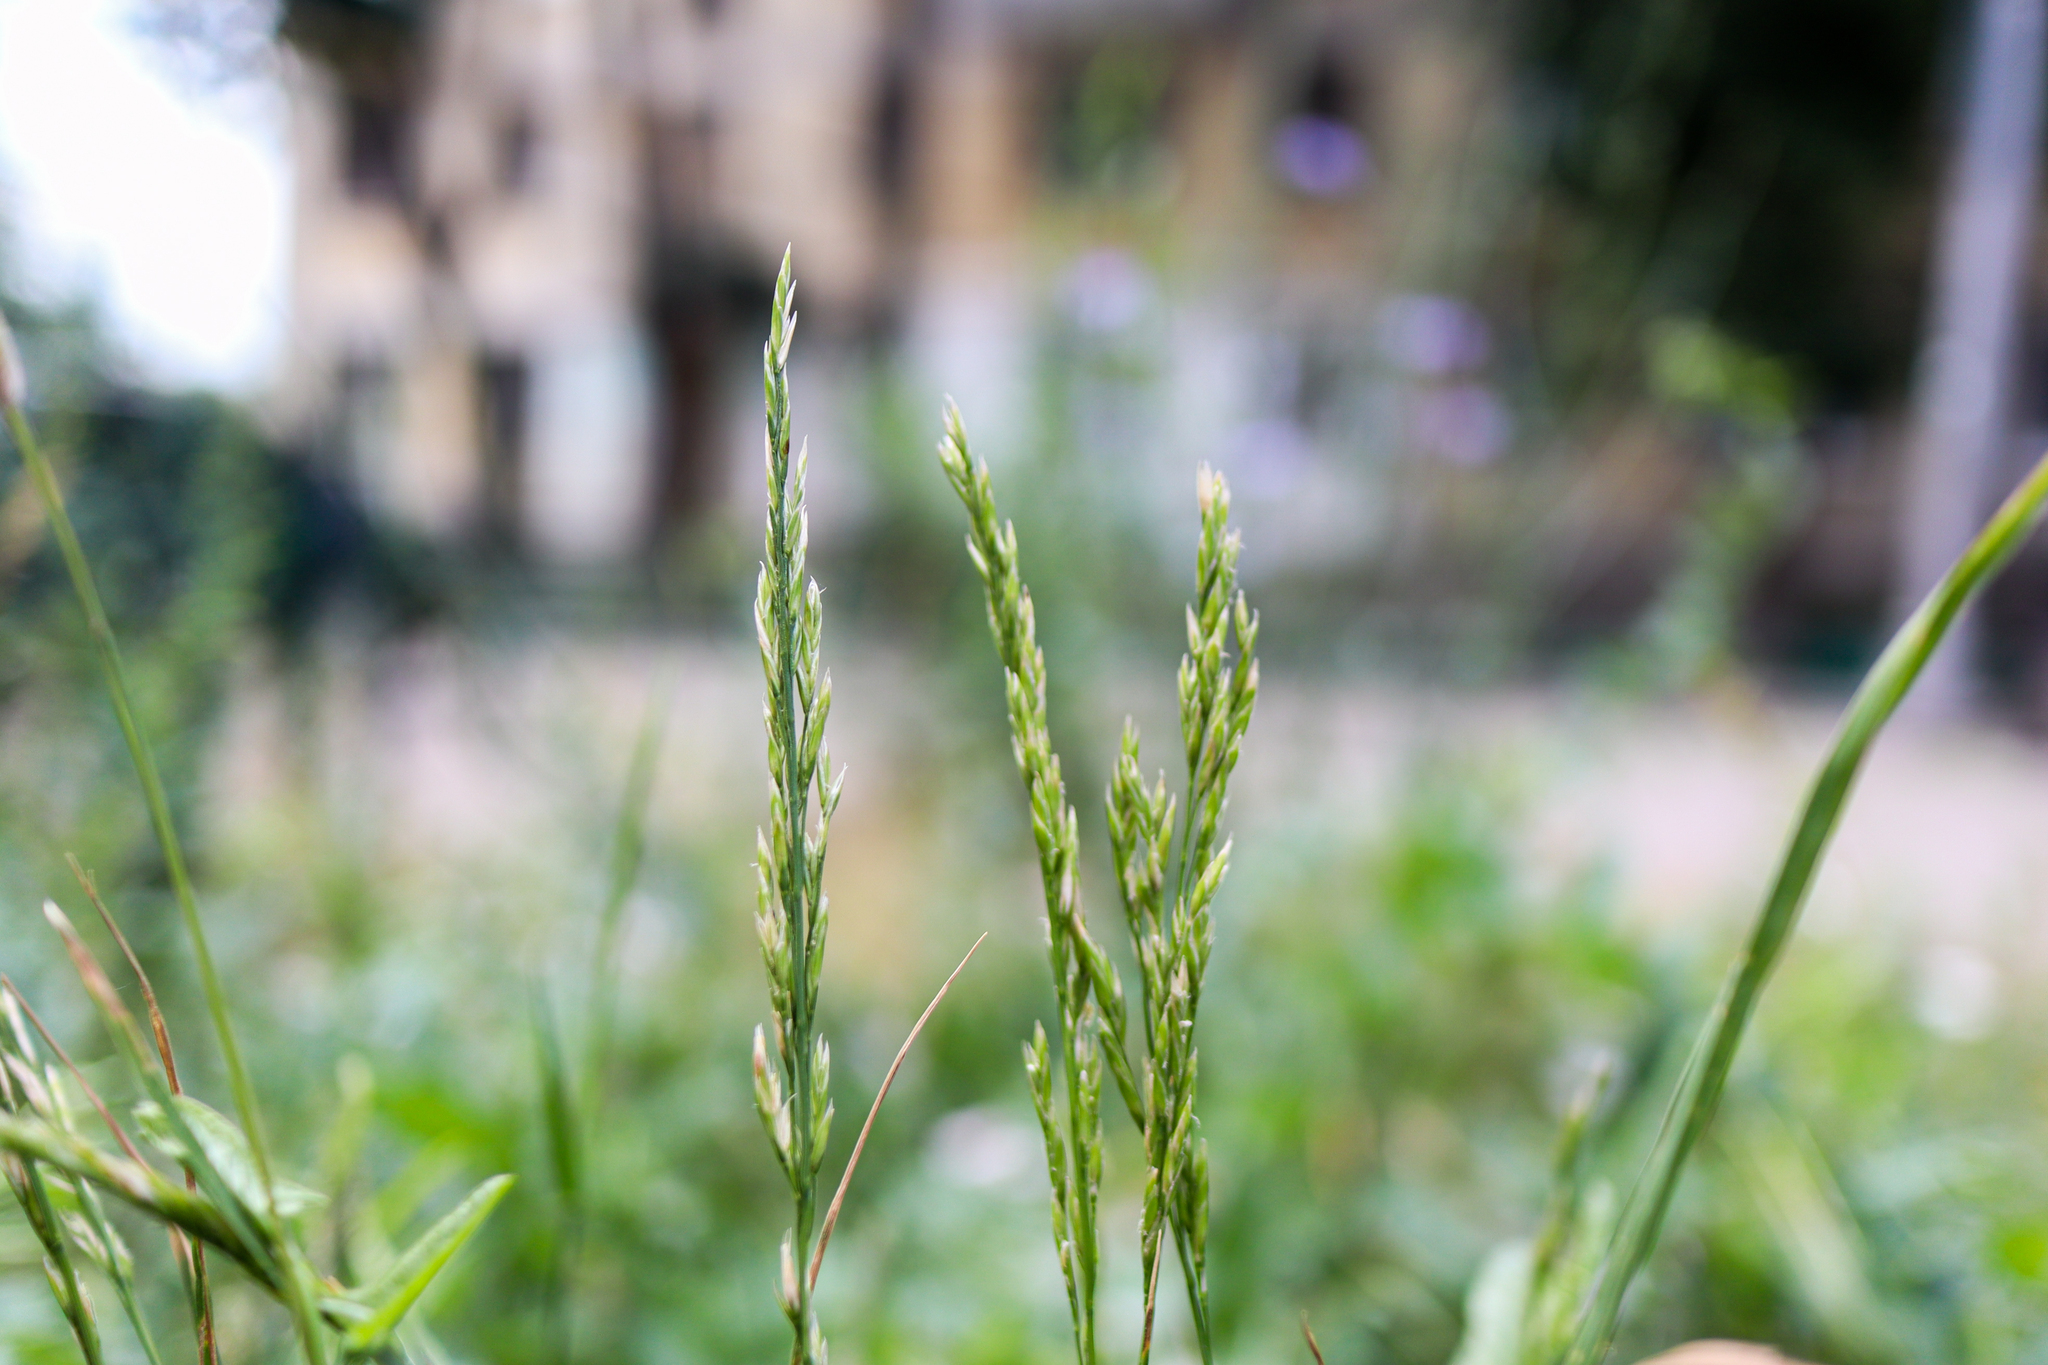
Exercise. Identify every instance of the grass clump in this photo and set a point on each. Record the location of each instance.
(230, 1197)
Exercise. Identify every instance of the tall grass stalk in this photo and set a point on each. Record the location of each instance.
(1706, 1072)
(792, 1071)
(1173, 938)
(1073, 1151)
(1169, 918)
(12, 400)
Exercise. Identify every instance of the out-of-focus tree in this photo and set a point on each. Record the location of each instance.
(1756, 162)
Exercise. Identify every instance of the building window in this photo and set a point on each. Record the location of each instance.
(1319, 149)
(503, 387)
(375, 154)
(366, 419)
(518, 151)
(895, 113)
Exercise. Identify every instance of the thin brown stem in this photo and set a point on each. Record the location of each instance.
(156, 1014)
(1151, 1302)
(839, 1196)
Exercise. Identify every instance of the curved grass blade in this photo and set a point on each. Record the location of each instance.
(214, 1140)
(1699, 1089)
(385, 1301)
(861, 1142)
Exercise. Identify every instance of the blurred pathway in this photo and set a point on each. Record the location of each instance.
(461, 754)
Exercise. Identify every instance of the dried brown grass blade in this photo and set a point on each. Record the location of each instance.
(106, 1114)
(156, 1014)
(839, 1196)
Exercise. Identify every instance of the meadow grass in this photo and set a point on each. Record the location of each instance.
(1555, 1301)
(210, 1181)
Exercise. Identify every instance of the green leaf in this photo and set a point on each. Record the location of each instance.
(558, 1109)
(386, 1299)
(222, 1146)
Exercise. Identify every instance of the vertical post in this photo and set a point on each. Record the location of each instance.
(1962, 389)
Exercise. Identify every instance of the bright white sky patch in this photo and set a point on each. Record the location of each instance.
(168, 205)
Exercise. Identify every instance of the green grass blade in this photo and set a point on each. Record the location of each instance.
(558, 1112)
(399, 1287)
(1692, 1106)
(629, 846)
(564, 1128)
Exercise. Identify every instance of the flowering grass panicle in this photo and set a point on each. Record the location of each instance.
(792, 1062)
(1172, 939)
(1171, 934)
(1080, 968)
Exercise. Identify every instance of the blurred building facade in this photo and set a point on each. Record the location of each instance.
(534, 237)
